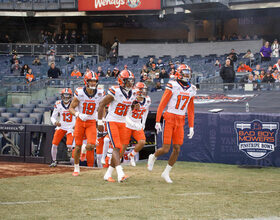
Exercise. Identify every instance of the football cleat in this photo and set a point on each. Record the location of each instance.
(132, 160)
(166, 177)
(75, 174)
(123, 178)
(110, 179)
(53, 164)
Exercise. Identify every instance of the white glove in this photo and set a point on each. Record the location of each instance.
(158, 127)
(191, 133)
(82, 116)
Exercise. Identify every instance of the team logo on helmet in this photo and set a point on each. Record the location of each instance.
(66, 95)
(256, 139)
(126, 79)
(133, 3)
(183, 73)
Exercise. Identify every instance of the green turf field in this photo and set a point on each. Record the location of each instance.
(199, 191)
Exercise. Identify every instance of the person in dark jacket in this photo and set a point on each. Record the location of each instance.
(227, 74)
(268, 78)
(53, 72)
(113, 57)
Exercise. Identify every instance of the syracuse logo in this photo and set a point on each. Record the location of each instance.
(133, 3)
(256, 139)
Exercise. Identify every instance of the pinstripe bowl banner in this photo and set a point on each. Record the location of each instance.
(118, 5)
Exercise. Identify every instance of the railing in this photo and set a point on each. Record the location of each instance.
(60, 49)
(38, 5)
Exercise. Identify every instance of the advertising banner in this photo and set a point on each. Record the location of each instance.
(118, 5)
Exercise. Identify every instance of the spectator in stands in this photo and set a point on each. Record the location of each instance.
(247, 37)
(265, 52)
(150, 63)
(163, 74)
(244, 68)
(76, 73)
(248, 79)
(144, 69)
(268, 78)
(66, 37)
(108, 73)
(262, 74)
(53, 72)
(233, 57)
(255, 37)
(275, 48)
(73, 38)
(7, 39)
(100, 72)
(36, 62)
(160, 64)
(217, 64)
(275, 74)
(270, 69)
(116, 72)
(157, 88)
(84, 38)
(172, 74)
(16, 68)
(249, 55)
(24, 70)
(14, 58)
(113, 57)
(157, 78)
(171, 69)
(41, 37)
(51, 56)
(153, 71)
(70, 59)
(227, 74)
(277, 65)
(54, 38)
(29, 76)
(257, 71)
(87, 71)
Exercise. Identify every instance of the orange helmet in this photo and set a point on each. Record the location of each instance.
(91, 76)
(124, 77)
(183, 73)
(66, 95)
(141, 89)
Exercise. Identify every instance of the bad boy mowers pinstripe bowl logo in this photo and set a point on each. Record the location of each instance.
(256, 139)
(133, 3)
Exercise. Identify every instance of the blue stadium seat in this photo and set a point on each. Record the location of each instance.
(26, 110)
(7, 114)
(2, 109)
(38, 116)
(3, 120)
(36, 102)
(22, 115)
(13, 110)
(17, 105)
(29, 120)
(39, 110)
(15, 120)
(29, 105)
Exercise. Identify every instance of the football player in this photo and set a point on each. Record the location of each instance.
(136, 120)
(64, 125)
(87, 100)
(120, 99)
(179, 99)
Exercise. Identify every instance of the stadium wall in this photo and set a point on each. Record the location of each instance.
(189, 49)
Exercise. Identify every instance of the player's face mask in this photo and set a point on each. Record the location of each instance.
(186, 73)
(92, 84)
(66, 98)
(128, 84)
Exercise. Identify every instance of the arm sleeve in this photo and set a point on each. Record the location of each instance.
(164, 101)
(191, 112)
(54, 115)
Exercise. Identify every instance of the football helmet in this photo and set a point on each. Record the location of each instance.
(141, 89)
(91, 76)
(66, 95)
(183, 73)
(126, 79)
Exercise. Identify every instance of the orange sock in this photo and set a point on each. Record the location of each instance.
(90, 158)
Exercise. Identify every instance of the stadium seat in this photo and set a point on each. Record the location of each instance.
(38, 116)
(29, 120)
(39, 110)
(13, 110)
(15, 120)
(17, 105)
(22, 115)
(29, 105)
(7, 114)
(26, 110)
(36, 102)
(2, 109)
(3, 120)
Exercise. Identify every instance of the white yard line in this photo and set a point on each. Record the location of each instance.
(195, 194)
(22, 203)
(260, 192)
(115, 198)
